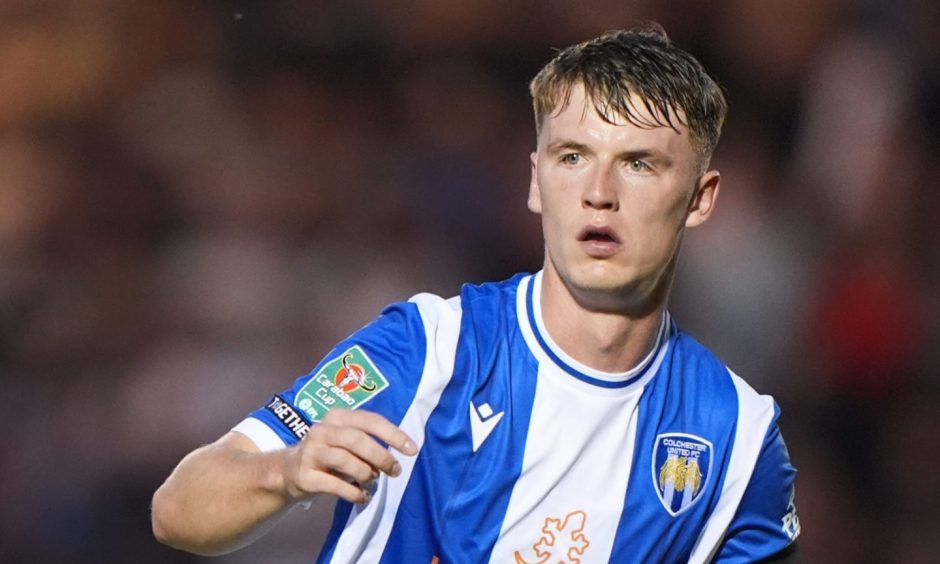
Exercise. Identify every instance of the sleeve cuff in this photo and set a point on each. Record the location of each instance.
(264, 438)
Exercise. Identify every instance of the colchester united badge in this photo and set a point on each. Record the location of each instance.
(681, 466)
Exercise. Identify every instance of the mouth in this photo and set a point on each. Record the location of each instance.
(599, 242)
(598, 235)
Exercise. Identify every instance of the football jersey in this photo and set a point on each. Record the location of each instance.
(526, 455)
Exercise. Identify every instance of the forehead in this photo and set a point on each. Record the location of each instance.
(577, 119)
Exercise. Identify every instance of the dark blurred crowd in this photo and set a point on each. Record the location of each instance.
(198, 199)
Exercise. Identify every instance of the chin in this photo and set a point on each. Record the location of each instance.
(601, 278)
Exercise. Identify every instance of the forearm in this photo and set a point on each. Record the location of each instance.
(225, 495)
(220, 498)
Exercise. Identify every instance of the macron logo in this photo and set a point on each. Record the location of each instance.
(482, 423)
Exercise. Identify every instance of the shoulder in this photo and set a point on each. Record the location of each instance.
(754, 515)
(493, 292)
(708, 376)
(474, 300)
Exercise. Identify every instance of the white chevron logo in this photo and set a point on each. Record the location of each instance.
(482, 423)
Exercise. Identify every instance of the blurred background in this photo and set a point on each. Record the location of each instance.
(198, 199)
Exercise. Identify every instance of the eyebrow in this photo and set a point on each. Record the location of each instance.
(567, 144)
(562, 144)
(657, 157)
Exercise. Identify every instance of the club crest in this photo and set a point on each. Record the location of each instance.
(681, 466)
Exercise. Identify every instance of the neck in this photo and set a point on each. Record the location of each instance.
(609, 340)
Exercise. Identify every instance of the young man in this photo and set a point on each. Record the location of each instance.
(558, 417)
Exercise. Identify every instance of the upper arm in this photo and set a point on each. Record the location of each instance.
(378, 369)
(237, 441)
(766, 523)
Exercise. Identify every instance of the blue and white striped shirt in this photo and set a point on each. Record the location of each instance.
(528, 456)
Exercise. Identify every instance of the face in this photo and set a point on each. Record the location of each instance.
(615, 200)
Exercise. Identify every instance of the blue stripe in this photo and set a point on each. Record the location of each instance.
(340, 516)
(395, 342)
(530, 312)
(456, 500)
(692, 393)
(755, 532)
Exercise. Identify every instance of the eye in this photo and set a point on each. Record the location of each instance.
(637, 165)
(571, 159)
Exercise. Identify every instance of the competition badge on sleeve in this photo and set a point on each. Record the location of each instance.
(346, 382)
(681, 466)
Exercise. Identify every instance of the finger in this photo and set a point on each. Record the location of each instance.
(343, 463)
(361, 445)
(375, 425)
(319, 482)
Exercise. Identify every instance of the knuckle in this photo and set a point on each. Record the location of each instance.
(360, 472)
(318, 457)
(317, 433)
(333, 457)
(342, 437)
(337, 416)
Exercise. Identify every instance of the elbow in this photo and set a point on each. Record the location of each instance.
(169, 526)
(162, 533)
(161, 520)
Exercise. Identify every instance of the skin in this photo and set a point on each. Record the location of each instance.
(223, 496)
(615, 200)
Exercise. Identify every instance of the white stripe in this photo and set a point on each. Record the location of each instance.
(669, 492)
(686, 496)
(573, 441)
(755, 412)
(597, 428)
(369, 526)
(264, 438)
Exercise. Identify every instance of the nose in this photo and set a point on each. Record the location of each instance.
(601, 193)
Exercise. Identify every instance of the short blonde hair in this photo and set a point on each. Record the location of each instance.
(673, 85)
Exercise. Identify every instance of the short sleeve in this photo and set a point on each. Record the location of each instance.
(377, 368)
(766, 521)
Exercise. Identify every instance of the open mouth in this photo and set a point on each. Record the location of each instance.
(602, 237)
(599, 235)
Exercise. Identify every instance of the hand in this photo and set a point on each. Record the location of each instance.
(340, 456)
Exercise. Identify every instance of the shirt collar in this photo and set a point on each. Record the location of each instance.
(529, 311)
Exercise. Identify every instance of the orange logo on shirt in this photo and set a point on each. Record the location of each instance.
(352, 376)
(561, 541)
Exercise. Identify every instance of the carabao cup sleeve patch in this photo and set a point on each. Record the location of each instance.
(377, 368)
(348, 381)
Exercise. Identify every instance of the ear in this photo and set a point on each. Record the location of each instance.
(535, 195)
(703, 199)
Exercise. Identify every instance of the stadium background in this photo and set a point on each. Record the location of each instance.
(197, 199)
